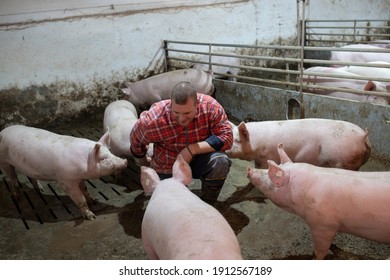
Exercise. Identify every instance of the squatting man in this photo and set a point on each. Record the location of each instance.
(192, 124)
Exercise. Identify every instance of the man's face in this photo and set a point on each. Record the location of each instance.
(185, 113)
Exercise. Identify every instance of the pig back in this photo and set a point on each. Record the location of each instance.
(177, 224)
(119, 118)
(117, 110)
(321, 142)
(156, 88)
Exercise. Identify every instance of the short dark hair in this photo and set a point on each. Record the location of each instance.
(182, 91)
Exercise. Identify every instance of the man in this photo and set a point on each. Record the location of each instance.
(192, 124)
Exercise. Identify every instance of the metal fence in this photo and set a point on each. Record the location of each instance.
(271, 65)
(344, 32)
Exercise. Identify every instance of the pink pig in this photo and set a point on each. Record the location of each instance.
(219, 70)
(177, 224)
(353, 79)
(43, 155)
(322, 142)
(329, 200)
(150, 90)
(119, 118)
(374, 54)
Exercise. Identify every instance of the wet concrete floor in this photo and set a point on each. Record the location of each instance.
(48, 225)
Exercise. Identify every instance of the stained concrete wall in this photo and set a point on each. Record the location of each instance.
(61, 60)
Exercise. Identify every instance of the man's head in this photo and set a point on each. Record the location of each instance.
(183, 100)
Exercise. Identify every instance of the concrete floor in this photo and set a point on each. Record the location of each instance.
(49, 226)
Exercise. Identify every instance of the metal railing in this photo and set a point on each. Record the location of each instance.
(331, 32)
(269, 65)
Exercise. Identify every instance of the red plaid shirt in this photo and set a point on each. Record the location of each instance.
(169, 138)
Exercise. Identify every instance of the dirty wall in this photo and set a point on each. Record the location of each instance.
(62, 60)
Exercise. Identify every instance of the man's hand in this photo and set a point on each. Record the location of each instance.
(143, 161)
(186, 154)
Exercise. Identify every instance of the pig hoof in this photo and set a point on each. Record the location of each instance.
(89, 215)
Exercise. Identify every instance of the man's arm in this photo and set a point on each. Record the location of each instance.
(138, 143)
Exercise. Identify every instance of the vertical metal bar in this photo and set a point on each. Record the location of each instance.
(210, 67)
(298, 25)
(288, 74)
(166, 58)
(302, 51)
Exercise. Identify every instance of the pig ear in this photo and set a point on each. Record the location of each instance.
(127, 90)
(182, 171)
(105, 139)
(370, 86)
(210, 73)
(243, 131)
(277, 175)
(93, 157)
(232, 125)
(282, 154)
(149, 179)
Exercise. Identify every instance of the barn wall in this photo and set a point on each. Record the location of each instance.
(61, 60)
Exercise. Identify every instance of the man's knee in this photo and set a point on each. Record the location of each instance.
(218, 167)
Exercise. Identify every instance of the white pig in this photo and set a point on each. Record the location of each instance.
(203, 64)
(150, 90)
(43, 155)
(376, 72)
(322, 142)
(380, 43)
(375, 54)
(329, 200)
(177, 224)
(119, 118)
(313, 76)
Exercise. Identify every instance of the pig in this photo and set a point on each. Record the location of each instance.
(375, 53)
(203, 64)
(321, 142)
(329, 200)
(177, 224)
(378, 72)
(119, 118)
(43, 155)
(145, 92)
(380, 43)
(313, 76)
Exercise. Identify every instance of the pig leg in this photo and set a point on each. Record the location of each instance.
(322, 239)
(73, 190)
(11, 174)
(149, 249)
(84, 190)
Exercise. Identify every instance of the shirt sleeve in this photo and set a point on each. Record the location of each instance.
(138, 137)
(220, 129)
